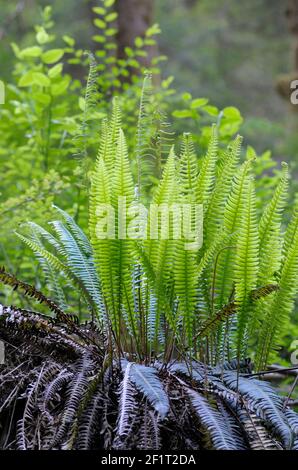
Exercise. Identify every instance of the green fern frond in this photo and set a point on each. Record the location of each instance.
(77, 256)
(90, 99)
(52, 278)
(270, 247)
(185, 276)
(144, 128)
(188, 167)
(282, 304)
(215, 211)
(269, 230)
(113, 251)
(185, 263)
(114, 126)
(206, 178)
(161, 252)
(233, 213)
(58, 266)
(77, 233)
(123, 187)
(109, 135)
(246, 265)
(82, 266)
(103, 247)
(162, 141)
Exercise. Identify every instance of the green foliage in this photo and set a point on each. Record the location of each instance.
(166, 312)
(74, 261)
(141, 286)
(176, 292)
(115, 73)
(47, 122)
(279, 309)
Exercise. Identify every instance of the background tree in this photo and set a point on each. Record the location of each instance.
(134, 18)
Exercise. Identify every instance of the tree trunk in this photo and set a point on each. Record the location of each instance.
(284, 82)
(134, 18)
(292, 18)
(190, 3)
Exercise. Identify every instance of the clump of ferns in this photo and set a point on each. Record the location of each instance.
(170, 329)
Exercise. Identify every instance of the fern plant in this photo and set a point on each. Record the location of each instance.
(156, 296)
(48, 121)
(172, 314)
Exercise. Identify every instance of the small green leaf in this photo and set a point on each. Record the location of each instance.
(82, 103)
(111, 17)
(68, 40)
(41, 79)
(158, 59)
(212, 110)
(141, 53)
(116, 83)
(15, 49)
(149, 42)
(154, 29)
(129, 52)
(124, 73)
(232, 113)
(99, 10)
(98, 38)
(134, 63)
(29, 52)
(199, 102)
(47, 13)
(26, 80)
(108, 3)
(61, 87)
(99, 23)
(139, 42)
(101, 53)
(183, 113)
(74, 61)
(155, 70)
(110, 46)
(111, 31)
(42, 98)
(186, 96)
(55, 71)
(250, 153)
(42, 36)
(52, 56)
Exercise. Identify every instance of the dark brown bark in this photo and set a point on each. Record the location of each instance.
(15, 16)
(284, 81)
(292, 18)
(190, 3)
(134, 18)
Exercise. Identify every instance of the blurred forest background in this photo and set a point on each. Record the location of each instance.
(230, 51)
